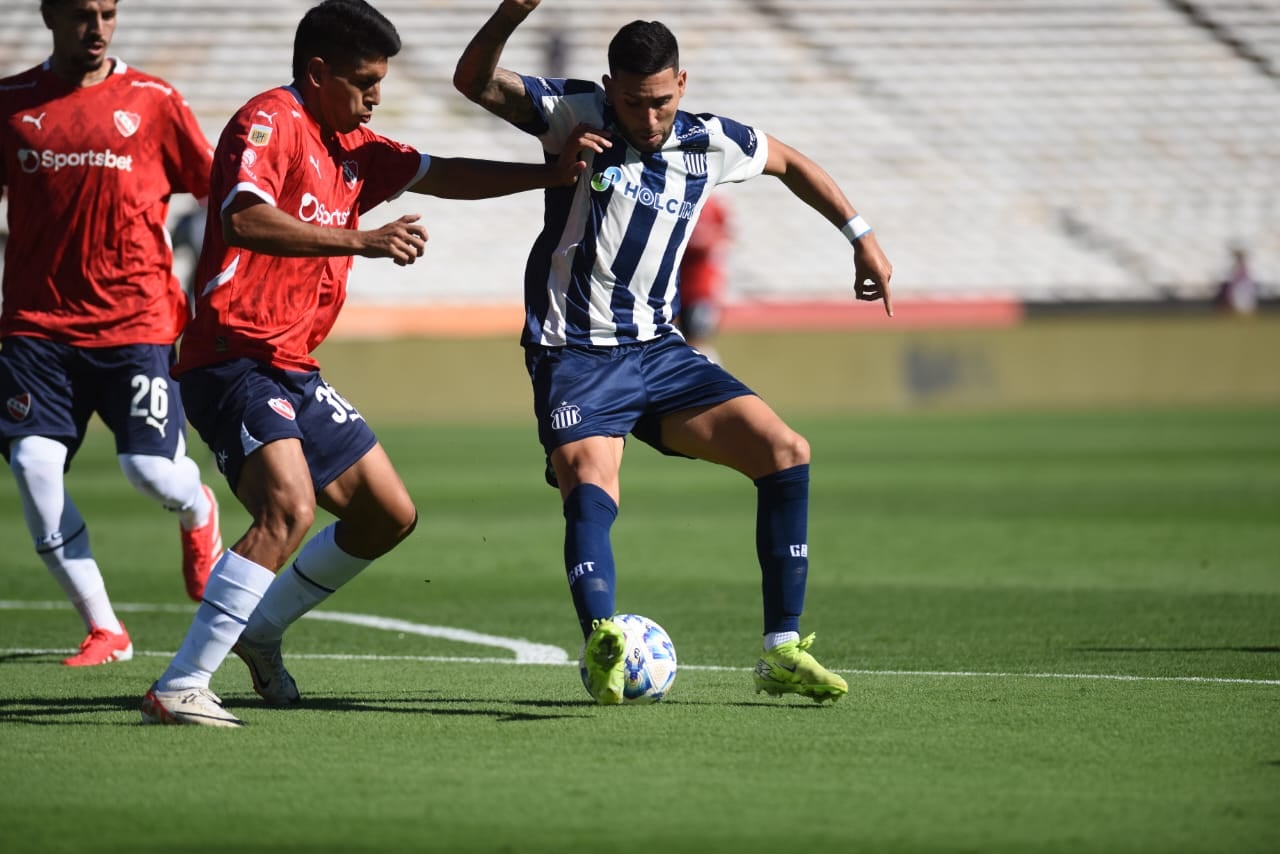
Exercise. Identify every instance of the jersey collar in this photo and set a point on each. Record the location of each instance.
(118, 66)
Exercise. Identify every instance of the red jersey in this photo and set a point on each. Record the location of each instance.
(702, 267)
(278, 309)
(89, 172)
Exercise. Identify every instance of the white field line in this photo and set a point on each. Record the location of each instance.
(531, 653)
(526, 652)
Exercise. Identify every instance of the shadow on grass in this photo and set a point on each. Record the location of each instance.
(586, 703)
(85, 711)
(744, 704)
(52, 711)
(420, 705)
(57, 711)
(34, 657)
(786, 705)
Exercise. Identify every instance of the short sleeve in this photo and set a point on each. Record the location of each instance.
(561, 105)
(744, 149)
(389, 168)
(253, 155)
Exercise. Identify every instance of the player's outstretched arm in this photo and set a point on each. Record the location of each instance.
(468, 178)
(812, 185)
(250, 223)
(477, 75)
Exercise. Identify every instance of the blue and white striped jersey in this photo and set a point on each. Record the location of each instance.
(603, 270)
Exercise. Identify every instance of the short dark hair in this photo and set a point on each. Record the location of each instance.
(49, 4)
(643, 47)
(343, 32)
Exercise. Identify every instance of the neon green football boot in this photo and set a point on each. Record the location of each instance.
(602, 658)
(788, 668)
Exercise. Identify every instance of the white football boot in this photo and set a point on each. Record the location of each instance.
(188, 706)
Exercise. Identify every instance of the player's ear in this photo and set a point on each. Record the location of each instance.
(317, 71)
(607, 82)
(681, 79)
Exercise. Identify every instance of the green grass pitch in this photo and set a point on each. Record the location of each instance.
(1061, 633)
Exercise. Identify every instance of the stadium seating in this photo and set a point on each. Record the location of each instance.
(1047, 149)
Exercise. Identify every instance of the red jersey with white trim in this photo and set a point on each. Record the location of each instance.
(271, 308)
(88, 172)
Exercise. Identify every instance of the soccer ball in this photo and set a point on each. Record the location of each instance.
(649, 666)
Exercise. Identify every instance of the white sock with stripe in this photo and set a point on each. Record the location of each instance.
(320, 568)
(58, 530)
(235, 587)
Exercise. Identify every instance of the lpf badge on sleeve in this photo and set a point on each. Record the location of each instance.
(259, 135)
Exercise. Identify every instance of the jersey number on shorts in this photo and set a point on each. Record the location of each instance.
(342, 411)
(151, 401)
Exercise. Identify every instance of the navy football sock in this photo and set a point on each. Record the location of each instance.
(782, 545)
(588, 555)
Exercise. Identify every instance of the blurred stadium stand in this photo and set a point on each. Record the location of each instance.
(1040, 149)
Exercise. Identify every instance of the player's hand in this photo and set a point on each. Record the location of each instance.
(572, 163)
(402, 241)
(871, 272)
(524, 7)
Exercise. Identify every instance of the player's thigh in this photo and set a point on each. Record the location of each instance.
(132, 391)
(743, 433)
(274, 485)
(370, 497)
(38, 395)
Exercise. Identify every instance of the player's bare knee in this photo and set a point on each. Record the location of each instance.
(399, 525)
(791, 451)
(372, 538)
(282, 526)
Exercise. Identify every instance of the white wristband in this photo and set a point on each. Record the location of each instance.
(856, 228)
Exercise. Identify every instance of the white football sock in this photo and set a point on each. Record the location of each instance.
(58, 530)
(235, 587)
(318, 570)
(174, 483)
(772, 640)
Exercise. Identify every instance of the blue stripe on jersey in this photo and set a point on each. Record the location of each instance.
(667, 280)
(692, 133)
(578, 293)
(577, 297)
(557, 203)
(635, 244)
(618, 236)
(744, 136)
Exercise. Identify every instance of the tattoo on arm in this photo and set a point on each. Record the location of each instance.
(506, 97)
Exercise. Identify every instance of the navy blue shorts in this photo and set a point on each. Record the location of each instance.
(241, 405)
(52, 389)
(612, 391)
